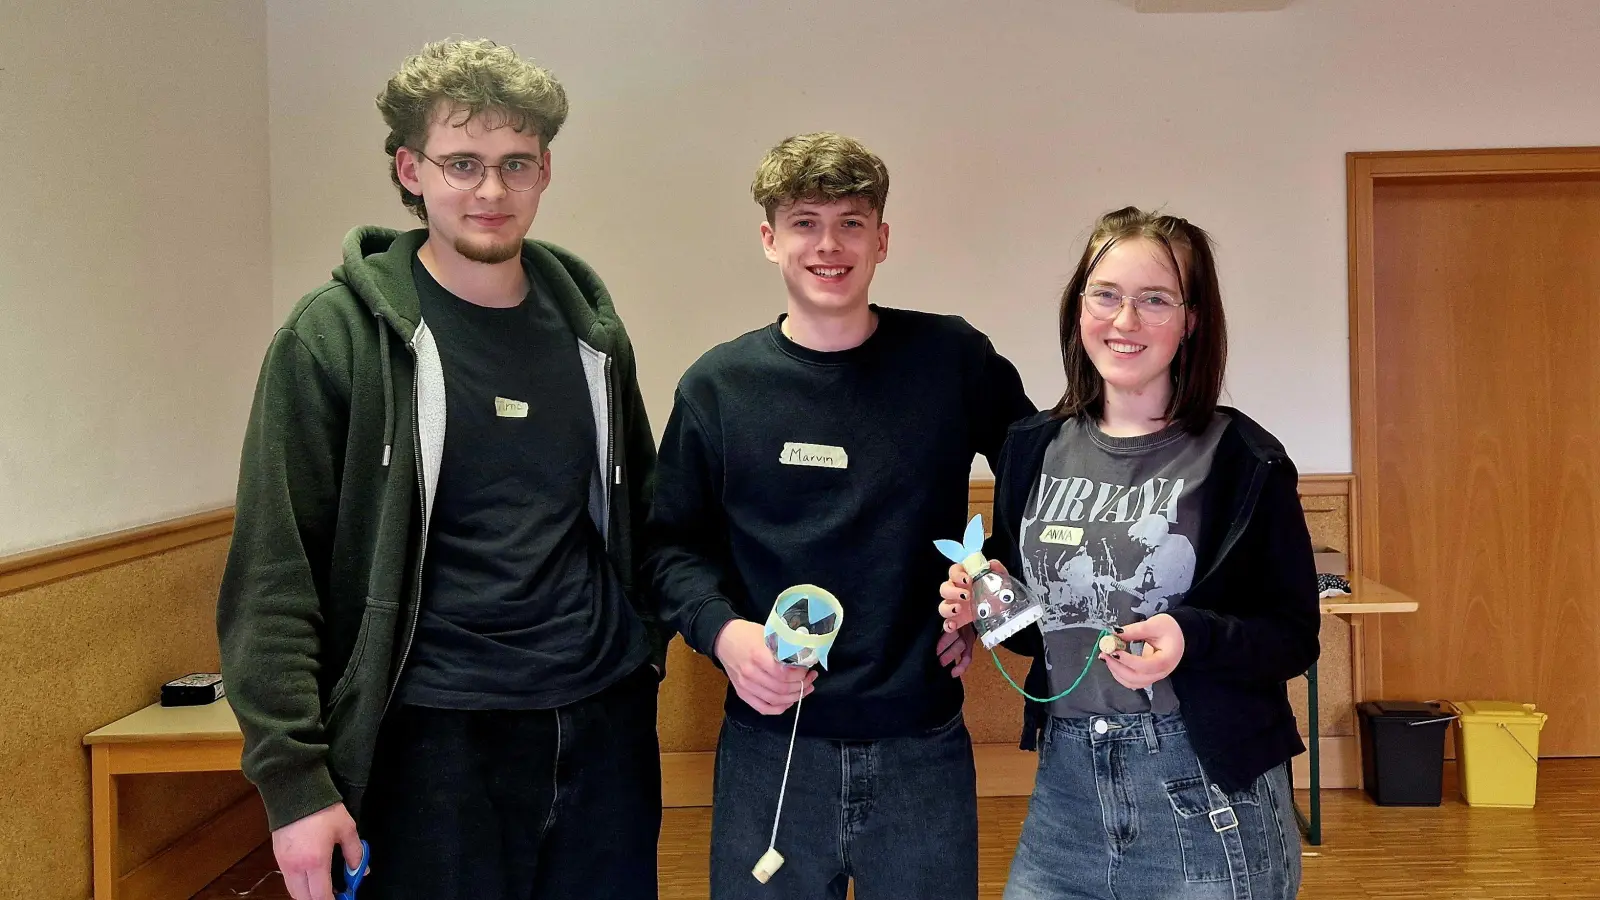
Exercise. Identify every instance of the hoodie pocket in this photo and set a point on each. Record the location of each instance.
(355, 705)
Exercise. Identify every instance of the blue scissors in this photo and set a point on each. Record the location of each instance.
(352, 877)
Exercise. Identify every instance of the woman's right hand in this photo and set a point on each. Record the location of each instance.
(957, 607)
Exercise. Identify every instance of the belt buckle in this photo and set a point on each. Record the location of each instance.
(1223, 819)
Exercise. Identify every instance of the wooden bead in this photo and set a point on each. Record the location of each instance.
(769, 863)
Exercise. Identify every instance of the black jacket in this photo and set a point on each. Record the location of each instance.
(1250, 621)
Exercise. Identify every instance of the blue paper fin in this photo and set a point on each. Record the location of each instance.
(973, 541)
(822, 654)
(786, 649)
(817, 609)
(951, 550)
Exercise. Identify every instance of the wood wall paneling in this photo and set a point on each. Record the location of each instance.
(80, 650)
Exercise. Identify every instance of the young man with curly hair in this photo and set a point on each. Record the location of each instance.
(432, 621)
(833, 447)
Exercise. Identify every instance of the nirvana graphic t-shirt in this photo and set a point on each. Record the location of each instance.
(1108, 538)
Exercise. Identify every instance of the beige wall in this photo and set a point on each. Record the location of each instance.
(135, 279)
(134, 263)
(1007, 127)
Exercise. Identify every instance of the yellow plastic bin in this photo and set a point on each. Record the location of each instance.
(1497, 752)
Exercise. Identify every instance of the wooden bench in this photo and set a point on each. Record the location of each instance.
(156, 740)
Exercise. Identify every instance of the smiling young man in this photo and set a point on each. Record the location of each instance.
(832, 448)
(431, 622)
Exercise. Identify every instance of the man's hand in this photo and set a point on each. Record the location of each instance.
(955, 649)
(1163, 650)
(305, 851)
(768, 686)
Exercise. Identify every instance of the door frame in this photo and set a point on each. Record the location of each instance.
(1364, 170)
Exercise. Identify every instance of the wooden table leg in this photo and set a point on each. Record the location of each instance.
(104, 801)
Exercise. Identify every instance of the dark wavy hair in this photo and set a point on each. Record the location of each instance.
(1202, 354)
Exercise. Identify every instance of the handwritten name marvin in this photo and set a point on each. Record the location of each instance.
(816, 455)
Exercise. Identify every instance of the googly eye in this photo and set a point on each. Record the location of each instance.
(1006, 597)
(984, 610)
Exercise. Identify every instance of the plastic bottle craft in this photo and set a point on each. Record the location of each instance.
(802, 625)
(801, 629)
(997, 606)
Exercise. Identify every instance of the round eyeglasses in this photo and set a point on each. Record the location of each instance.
(465, 173)
(1152, 307)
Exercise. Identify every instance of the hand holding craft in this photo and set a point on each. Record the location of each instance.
(768, 686)
(800, 633)
(1001, 605)
(955, 594)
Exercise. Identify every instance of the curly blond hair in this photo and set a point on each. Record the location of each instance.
(462, 80)
(822, 166)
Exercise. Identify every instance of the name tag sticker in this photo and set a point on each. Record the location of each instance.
(510, 409)
(818, 456)
(1062, 534)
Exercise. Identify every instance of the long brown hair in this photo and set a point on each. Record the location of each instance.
(1202, 353)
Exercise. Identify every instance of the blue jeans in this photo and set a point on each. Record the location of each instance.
(899, 815)
(1122, 810)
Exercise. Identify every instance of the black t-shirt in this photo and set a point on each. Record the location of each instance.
(521, 607)
(783, 465)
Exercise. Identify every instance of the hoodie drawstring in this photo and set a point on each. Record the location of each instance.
(388, 390)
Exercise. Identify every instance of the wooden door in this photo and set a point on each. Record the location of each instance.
(1482, 464)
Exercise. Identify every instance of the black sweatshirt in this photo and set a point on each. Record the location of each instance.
(782, 465)
(1250, 619)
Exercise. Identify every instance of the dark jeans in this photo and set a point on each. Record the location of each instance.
(517, 805)
(900, 816)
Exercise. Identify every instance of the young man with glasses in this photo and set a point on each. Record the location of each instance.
(432, 621)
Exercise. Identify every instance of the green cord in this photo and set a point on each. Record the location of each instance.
(1086, 664)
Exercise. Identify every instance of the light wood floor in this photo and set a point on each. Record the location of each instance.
(1455, 852)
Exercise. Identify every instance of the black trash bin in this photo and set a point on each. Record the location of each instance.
(1402, 751)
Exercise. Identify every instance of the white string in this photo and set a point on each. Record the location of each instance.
(253, 887)
(772, 844)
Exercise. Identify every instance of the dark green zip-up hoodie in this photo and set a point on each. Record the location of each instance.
(319, 600)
